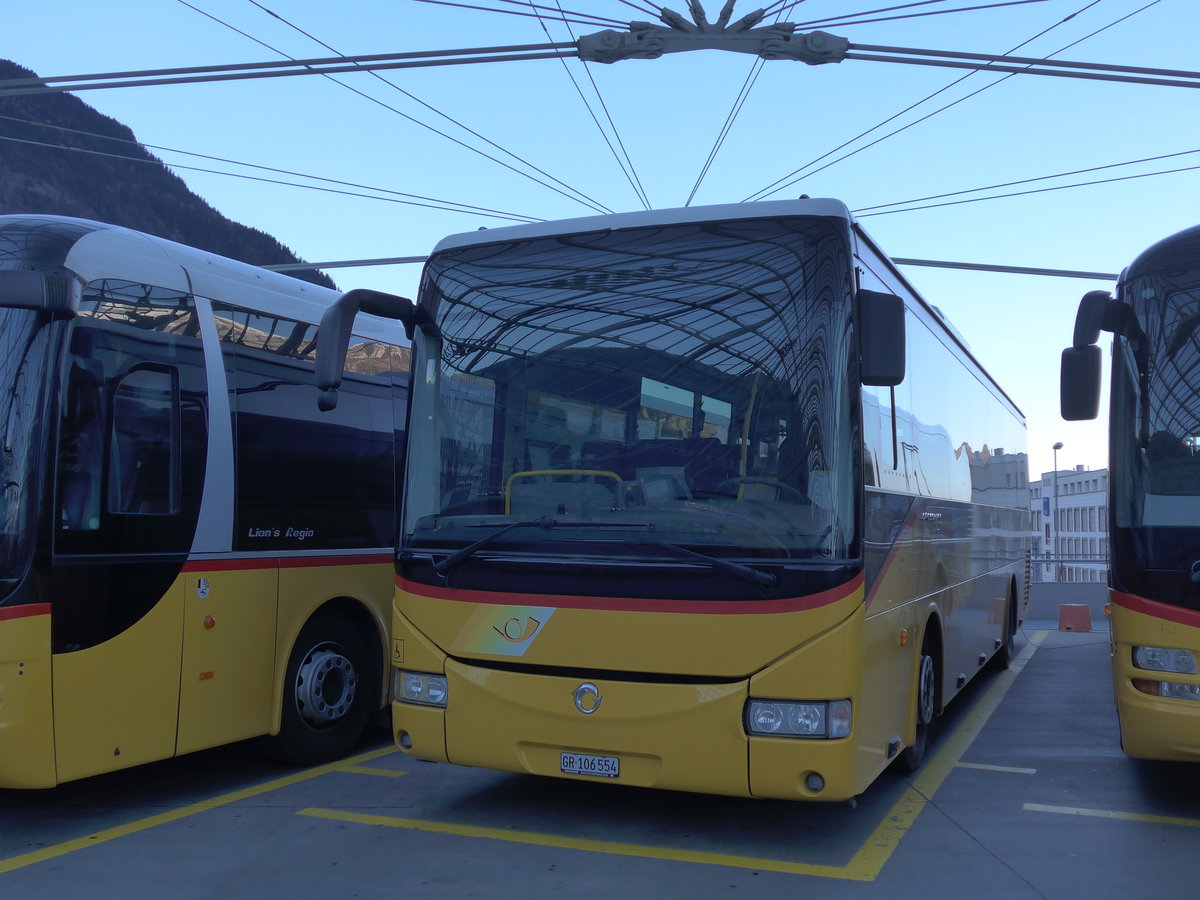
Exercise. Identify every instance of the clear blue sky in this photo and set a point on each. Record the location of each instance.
(668, 114)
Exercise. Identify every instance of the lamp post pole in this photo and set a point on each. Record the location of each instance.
(1056, 548)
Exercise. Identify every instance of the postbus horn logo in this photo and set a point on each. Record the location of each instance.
(587, 698)
(512, 630)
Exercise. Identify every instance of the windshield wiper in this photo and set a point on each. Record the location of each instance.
(737, 570)
(458, 557)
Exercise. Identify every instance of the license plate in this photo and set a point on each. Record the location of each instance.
(586, 764)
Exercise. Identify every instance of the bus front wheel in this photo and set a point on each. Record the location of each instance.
(911, 756)
(327, 692)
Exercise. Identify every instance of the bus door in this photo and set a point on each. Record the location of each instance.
(129, 476)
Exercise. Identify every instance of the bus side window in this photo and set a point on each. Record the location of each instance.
(81, 458)
(143, 472)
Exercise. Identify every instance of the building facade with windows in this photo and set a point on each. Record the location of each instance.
(1069, 515)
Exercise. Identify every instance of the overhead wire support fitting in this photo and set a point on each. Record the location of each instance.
(645, 40)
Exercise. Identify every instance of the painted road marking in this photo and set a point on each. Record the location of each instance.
(45, 853)
(1113, 814)
(371, 770)
(865, 865)
(1012, 770)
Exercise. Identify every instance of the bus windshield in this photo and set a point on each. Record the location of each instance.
(1156, 438)
(24, 370)
(639, 392)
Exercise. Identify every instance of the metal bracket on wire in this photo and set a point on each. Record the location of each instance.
(645, 40)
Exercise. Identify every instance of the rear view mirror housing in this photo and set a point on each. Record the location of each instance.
(881, 338)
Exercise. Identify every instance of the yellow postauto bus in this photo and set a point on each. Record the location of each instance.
(1154, 488)
(192, 552)
(721, 505)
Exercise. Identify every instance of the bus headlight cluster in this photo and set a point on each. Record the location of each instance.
(1163, 659)
(425, 688)
(789, 718)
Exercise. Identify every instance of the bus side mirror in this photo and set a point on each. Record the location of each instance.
(1079, 372)
(333, 337)
(881, 338)
(1079, 383)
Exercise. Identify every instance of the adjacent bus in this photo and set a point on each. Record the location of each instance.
(705, 499)
(192, 552)
(1154, 488)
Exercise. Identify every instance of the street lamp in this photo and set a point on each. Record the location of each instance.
(1054, 521)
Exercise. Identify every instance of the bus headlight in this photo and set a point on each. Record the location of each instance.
(425, 688)
(1163, 659)
(788, 718)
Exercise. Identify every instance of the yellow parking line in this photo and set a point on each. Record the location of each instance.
(568, 843)
(1011, 770)
(865, 865)
(174, 815)
(372, 770)
(1113, 814)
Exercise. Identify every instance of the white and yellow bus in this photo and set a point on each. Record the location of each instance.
(1153, 488)
(193, 554)
(722, 505)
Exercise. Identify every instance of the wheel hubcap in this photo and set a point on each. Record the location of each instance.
(326, 685)
(926, 691)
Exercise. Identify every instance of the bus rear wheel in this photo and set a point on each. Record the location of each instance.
(912, 756)
(327, 692)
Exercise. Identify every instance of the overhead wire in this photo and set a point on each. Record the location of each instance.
(992, 187)
(631, 172)
(803, 171)
(1045, 190)
(843, 21)
(581, 198)
(512, 12)
(431, 202)
(731, 117)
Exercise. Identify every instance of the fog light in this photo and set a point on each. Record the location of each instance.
(814, 783)
(404, 739)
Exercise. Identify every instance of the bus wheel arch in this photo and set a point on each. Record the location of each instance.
(331, 686)
(927, 695)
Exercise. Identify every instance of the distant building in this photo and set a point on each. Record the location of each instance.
(1070, 532)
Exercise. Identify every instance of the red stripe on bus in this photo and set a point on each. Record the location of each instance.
(1156, 609)
(297, 562)
(23, 612)
(632, 604)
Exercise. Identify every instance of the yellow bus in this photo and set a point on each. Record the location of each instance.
(1153, 488)
(722, 505)
(193, 554)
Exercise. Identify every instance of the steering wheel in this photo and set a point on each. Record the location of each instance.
(783, 490)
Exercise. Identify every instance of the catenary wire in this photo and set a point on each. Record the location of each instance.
(802, 172)
(992, 187)
(436, 204)
(849, 20)
(512, 12)
(1044, 190)
(581, 198)
(630, 173)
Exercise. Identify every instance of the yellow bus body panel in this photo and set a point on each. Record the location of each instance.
(116, 704)
(1153, 727)
(680, 736)
(26, 709)
(227, 682)
(677, 736)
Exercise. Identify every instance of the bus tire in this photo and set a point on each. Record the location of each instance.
(912, 756)
(1008, 650)
(327, 692)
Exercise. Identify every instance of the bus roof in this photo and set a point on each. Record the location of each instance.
(773, 209)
